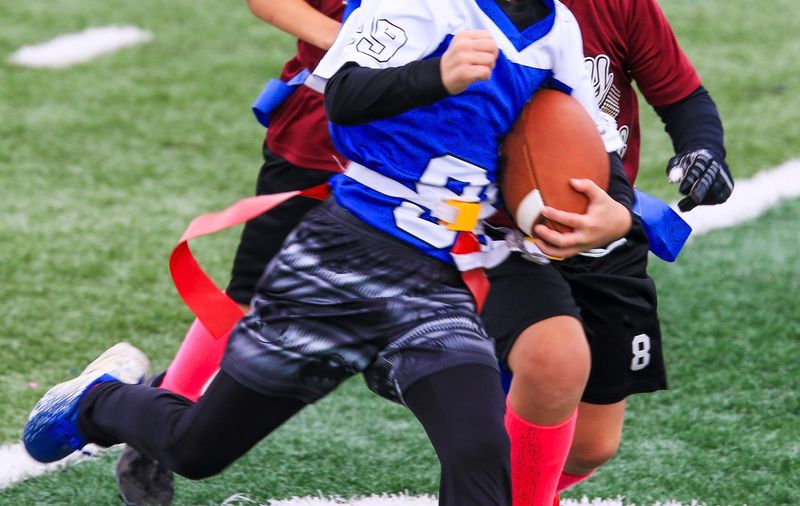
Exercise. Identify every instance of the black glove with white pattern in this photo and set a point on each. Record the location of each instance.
(703, 178)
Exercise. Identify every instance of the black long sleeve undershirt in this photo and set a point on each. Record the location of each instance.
(694, 123)
(358, 94)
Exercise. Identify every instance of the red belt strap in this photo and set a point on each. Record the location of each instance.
(218, 312)
(214, 308)
(475, 279)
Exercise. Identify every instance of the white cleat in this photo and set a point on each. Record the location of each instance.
(52, 430)
(123, 361)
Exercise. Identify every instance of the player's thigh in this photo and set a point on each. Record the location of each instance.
(307, 331)
(523, 294)
(436, 329)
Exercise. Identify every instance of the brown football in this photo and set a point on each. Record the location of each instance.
(553, 141)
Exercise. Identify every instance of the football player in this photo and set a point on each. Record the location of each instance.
(614, 298)
(369, 281)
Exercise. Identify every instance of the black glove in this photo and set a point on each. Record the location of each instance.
(705, 179)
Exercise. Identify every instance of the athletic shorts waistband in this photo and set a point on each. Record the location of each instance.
(446, 273)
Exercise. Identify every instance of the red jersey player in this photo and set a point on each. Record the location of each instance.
(624, 41)
(650, 55)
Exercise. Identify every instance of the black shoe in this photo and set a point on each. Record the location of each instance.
(142, 480)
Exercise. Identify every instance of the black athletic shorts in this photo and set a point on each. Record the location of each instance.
(262, 236)
(612, 295)
(342, 297)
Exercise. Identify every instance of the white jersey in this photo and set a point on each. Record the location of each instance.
(448, 150)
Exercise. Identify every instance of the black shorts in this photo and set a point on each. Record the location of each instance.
(341, 298)
(262, 236)
(612, 295)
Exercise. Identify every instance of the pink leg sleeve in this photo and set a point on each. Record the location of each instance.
(538, 455)
(195, 363)
(570, 480)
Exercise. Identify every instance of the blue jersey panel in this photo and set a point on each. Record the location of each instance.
(469, 126)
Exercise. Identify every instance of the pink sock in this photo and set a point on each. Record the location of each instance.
(196, 362)
(538, 455)
(570, 480)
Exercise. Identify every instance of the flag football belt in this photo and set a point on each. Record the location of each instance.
(456, 215)
(214, 308)
(469, 255)
(666, 231)
(275, 93)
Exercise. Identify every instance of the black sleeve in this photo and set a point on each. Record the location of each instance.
(694, 123)
(619, 188)
(356, 94)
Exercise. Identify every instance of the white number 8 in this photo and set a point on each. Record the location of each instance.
(641, 352)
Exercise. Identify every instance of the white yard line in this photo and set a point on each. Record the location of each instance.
(405, 500)
(16, 465)
(74, 48)
(751, 198)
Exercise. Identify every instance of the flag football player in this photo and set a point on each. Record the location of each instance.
(368, 282)
(613, 295)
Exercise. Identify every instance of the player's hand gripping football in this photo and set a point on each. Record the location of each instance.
(705, 179)
(470, 57)
(604, 221)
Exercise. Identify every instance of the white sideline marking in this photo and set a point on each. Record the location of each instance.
(405, 500)
(16, 465)
(750, 199)
(73, 48)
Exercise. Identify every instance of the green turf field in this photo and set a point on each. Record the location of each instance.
(102, 165)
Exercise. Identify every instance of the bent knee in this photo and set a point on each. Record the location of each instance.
(553, 356)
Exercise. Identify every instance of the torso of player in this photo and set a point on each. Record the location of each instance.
(298, 129)
(623, 39)
(447, 150)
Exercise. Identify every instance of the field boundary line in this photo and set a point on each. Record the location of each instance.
(73, 48)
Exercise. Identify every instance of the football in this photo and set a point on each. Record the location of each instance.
(553, 141)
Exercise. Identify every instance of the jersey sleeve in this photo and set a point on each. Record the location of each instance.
(570, 74)
(657, 63)
(381, 34)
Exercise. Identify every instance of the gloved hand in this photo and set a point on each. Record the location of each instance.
(703, 178)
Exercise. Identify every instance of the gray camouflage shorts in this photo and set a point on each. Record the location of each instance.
(342, 298)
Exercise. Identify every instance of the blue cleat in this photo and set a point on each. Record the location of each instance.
(52, 429)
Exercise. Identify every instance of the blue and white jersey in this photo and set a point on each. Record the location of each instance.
(449, 150)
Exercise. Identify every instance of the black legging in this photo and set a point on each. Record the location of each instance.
(461, 409)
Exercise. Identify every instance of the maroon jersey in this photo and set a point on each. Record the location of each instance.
(298, 129)
(625, 41)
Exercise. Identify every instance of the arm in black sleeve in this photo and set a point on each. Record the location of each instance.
(694, 123)
(619, 188)
(356, 94)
